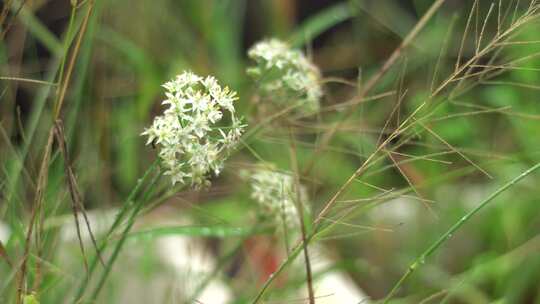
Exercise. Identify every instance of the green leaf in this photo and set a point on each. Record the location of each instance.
(38, 30)
(200, 231)
(319, 23)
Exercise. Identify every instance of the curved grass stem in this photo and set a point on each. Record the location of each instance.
(441, 240)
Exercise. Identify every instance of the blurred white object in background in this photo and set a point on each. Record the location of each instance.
(193, 264)
(100, 221)
(189, 262)
(333, 286)
(398, 210)
(4, 232)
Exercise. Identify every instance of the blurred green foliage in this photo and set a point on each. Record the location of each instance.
(132, 47)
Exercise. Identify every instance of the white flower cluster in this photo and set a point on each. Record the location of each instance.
(276, 195)
(282, 69)
(192, 142)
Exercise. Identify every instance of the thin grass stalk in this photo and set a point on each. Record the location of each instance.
(62, 89)
(131, 220)
(437, 244)
(77, 204)
(42, 184)
(322, 230)
(301, 219)
(294, 253)
(48, 147)
(316, 224)
(67, 42)
(373, 81)
(6, 27)
(128, 203)
(5, 12)
(404, 126)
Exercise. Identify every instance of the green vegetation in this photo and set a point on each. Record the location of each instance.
(414, 164)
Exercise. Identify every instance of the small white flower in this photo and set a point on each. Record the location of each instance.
(275, 192)
(282, 69)
(191, 141)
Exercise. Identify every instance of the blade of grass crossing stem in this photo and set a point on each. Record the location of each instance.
(76, 197)
(431, 249)
(131, 220)
(117, 221)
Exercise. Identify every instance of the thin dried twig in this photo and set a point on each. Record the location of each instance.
(7, 27)
(464, 36)
(48, 147)
(479, 44)
(28, 80)
(76, 198)
(62, 89)
(372, 82)
(300, 208)
(4, 254)
(38, 201)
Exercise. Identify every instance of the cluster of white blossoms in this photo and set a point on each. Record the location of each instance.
(276, 194)
(191, 135)
(280, 68)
